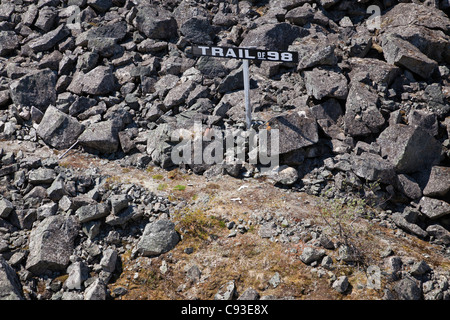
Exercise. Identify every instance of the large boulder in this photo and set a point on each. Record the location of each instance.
(49, 39)
(409, 148)
(434, 208)
(58, 129)
(159, 145)
(99, 81)
(323, 83)
(34, 89)
(362, 115)
(438, 184)
(425, 27)
(8, 42)
(296, 130)
(51, 244)
(156, 23)
(402, 53)
(273, 36)
(10, 288)
(101, 136)
(158, 237)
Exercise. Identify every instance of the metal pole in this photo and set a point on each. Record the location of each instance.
(248, 109)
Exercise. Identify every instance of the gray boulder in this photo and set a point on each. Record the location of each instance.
(434, 208)
(439, 233)
(10, 288)
(403, 54)
(273, 36)
(159, 146)
(341, 284)
(375, 70)
(92, 212)
(438, 184)
(99, 81)
(373, 167)
(58, 129)
(101, 136)
(296, 130)
(51, 244)
(311, 254)
(362, 115)
(158, 237)
(100, 5)
(49, 39)
(226, 292)
(198, 31)
(156, 23)
(407, 289)
(5, 207)
(97, 290)
(314, 51)
(8, 42)
(403, 221)
(34, 89)
(322, 83)
(408, 148)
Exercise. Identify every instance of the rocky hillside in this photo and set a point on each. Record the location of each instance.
(92, 205)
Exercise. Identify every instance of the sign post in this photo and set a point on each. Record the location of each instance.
(246, 54)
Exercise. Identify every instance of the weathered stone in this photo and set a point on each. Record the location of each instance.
(35, 89)
(178, 94)
(159, 147)
(434, 208)
(438, 184)
(273, 36)
(284, 175)
(341, 284)
(311, 254)
(5, 208)
(92, 212)
(158, 237)
(101, 136)
(226, 292)
(51, 244)
(313, 52)
(296, 130)
(249, 294)
(78, 273)
(100, 5)
(377, 71)
(403, 54)
(322, 83)
(156, 23)
(409, 186)
(362, 116)
(46, 19)
(373, 167)
(41, 176)
(109, 259)
(58, 129)
(49, 39)
(400, 220)
(198, 31)
(8, 42)
(439, 233)
(409, 148)
(99, 81)
(407, 289)
(96, 291)
(10, 288)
